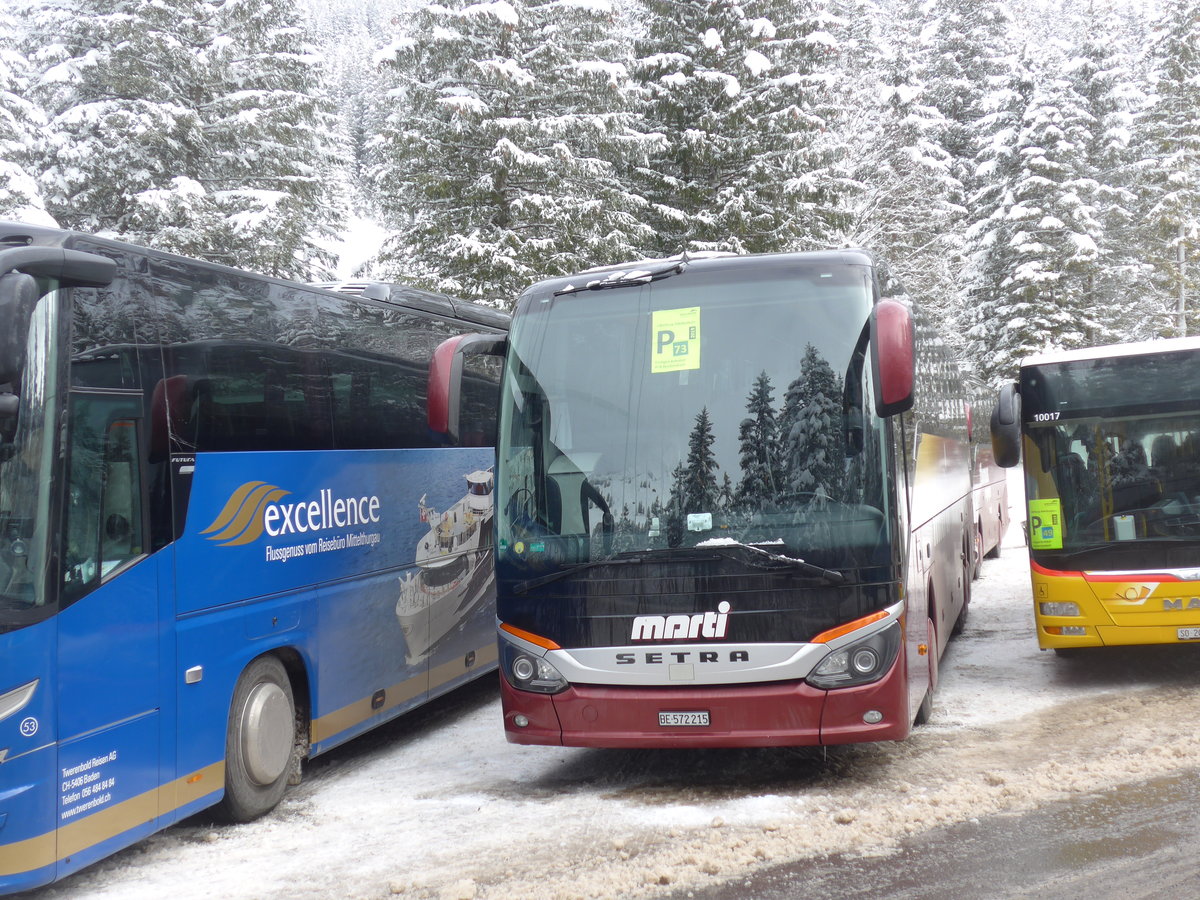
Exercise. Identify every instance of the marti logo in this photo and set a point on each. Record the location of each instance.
(253, 509)
(705, 624)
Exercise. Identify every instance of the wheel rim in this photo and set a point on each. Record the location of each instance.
(267, 733)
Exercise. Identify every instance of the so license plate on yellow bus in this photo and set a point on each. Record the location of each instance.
(1188, 634)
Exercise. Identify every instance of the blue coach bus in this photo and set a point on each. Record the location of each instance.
(229, 540)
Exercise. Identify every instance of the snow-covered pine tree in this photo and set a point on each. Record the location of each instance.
(346, 35)
(997, 327)
(1169, 145)
(814, 447)
(22, 124)
(738, 93)
(498, 166)
(676, 505)
(1037, 253)
(701, 491)
(758, 437)
(726, 494)
(1057, 238)
(1114, 288)
(193, 126)
(966, 48)
(278, 167)
(906, 207)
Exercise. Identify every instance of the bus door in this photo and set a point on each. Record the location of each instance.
(108, 634)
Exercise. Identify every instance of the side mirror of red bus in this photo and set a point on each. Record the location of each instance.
(1006, 427)
(444, 398)
(892, 357)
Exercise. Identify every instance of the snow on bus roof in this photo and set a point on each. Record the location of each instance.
(1166, 345)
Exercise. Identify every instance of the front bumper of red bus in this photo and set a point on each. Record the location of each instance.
(779, 714)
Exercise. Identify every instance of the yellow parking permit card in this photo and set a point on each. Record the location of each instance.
(1045, 524)
(675, 339)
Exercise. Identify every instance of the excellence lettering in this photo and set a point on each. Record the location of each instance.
(318, 515)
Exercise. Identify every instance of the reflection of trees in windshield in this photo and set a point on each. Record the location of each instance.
(814, 453)
(788, 459)
(758, 438)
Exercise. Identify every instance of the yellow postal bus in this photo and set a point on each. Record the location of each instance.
(1111, 443)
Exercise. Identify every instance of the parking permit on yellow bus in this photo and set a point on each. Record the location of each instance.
(675, 339)
(1045, 524)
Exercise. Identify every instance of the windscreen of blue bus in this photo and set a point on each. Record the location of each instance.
(1112, 460)
(724, 407)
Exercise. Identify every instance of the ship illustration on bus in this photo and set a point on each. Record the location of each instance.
(454, 567)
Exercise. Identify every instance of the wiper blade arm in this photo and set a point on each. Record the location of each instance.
(523, 587)
(759, 557)
(633, 559)
(774, 560)
(628, 277)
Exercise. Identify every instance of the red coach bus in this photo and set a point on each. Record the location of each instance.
(733, 503)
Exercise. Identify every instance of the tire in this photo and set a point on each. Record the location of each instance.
(994, 553)
(260, 741)
(961, 621)
(925, 710)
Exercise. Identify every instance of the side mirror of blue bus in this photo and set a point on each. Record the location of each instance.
(892, 357)
(1006, 427)
(444, 399)
(19, 292)
(18, 296)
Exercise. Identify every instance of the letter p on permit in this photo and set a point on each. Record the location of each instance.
(665, 339)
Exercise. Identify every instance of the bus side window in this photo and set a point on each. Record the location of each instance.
(120, 506)
(104, 517)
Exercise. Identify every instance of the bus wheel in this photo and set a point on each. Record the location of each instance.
(259, 741)
(961, 621)
(925, 710)
(994, 553)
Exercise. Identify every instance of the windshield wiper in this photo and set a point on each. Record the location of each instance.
(731, 550)
(629, 277)
(522, 587)
(635, 558)
(773, 560)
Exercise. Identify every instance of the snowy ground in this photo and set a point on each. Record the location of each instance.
(439, 806)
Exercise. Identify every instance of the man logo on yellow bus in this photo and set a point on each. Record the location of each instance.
(241, 521)
(1134, 593)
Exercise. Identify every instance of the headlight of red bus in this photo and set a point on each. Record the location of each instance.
(861, 662)
(527, 672)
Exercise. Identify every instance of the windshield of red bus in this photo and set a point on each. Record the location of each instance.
(726, 404)
(1112, 461)
(26, 468)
